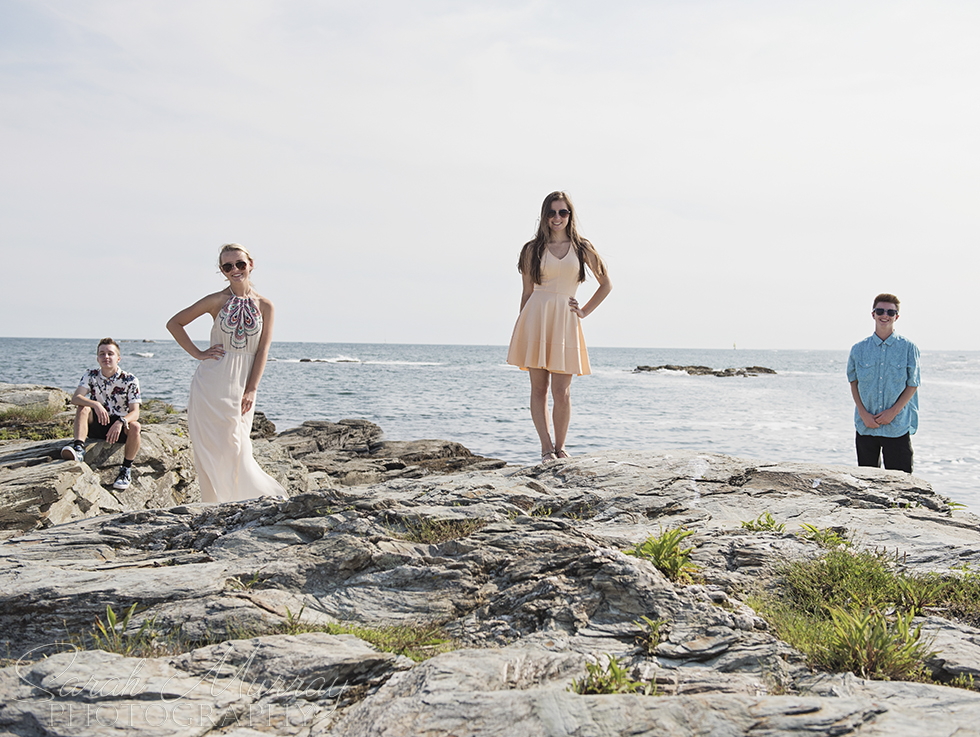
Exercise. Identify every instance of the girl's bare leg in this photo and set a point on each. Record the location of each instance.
(561, 392)
(539, 408)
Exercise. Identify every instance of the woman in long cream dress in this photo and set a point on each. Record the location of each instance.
(548, 341)
(222, 399)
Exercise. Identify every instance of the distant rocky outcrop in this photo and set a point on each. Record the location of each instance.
(707, 370)
(537, 590)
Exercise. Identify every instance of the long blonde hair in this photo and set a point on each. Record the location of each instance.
(532, 252)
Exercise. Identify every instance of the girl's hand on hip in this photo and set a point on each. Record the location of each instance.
(215, 352)
(573, 306)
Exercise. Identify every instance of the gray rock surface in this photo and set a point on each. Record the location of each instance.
(39, 489)
(534, 594)
(31, 395)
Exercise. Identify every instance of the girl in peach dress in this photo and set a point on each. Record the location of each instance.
(222, 400)
(548, 342)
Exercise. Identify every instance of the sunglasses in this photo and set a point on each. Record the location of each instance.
(240, 265)
(561, 213)
(882, 311)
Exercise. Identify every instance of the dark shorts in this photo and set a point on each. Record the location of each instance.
(98, 431)
(897, 451)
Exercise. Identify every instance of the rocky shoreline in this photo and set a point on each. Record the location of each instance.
(534, 589)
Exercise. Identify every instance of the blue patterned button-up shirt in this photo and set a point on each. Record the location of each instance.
(883, 368)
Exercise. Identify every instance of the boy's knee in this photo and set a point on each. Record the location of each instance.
(134, 429)
(83, 412)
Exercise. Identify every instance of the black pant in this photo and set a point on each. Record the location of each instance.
(897, 451)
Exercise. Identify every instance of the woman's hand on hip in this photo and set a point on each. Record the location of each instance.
(573, 306)
(216, 352)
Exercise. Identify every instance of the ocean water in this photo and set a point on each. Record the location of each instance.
(469, 394)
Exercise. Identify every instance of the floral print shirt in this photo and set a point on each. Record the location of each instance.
(115, 393)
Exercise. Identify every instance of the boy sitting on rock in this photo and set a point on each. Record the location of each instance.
(113, 396)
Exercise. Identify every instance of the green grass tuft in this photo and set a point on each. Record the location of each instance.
(764, 523)
(437, 531)
(613, 679)
(667, 555)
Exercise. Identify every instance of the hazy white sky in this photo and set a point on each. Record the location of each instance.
(753, 171)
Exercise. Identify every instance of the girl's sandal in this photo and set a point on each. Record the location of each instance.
(549, 456)
(561, 453)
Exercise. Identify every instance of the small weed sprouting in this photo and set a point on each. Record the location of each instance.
(541, 512)
(666, 554)
(111, 636)
(436, 531)
(649, 636)
(764, 523)
(825, 538)
(613, 679)
(293, 625)
(237, 583)
(874, 646)
(963, 680)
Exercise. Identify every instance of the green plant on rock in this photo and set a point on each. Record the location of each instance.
(613, 679)
(416, 641)
(436, 531)
(236, 582)
(825, 537)
(875, 646)
(764, 523)
(29, 413)
(111, 635)
(649, 636)
(666, 554)
(964, 680)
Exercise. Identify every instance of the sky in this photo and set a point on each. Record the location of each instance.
(752, 171)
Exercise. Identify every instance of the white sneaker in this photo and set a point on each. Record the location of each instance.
(123, 479)
(72, 453)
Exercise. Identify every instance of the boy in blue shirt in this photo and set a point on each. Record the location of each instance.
(884, 374)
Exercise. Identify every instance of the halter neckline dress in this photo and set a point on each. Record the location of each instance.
(220, 433)
(548, 335)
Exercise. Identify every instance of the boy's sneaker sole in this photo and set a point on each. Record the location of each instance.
(70, 453)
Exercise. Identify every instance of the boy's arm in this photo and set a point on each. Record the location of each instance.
(885, 418)
(112, 435)
(866, 417)
(80, 399)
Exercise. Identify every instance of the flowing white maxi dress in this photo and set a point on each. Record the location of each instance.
(219, 431)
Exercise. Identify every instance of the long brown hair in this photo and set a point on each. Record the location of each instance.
(532, 252)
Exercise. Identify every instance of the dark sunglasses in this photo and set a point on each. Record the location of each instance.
(882, 311)
(240, 265)
(562, 213)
